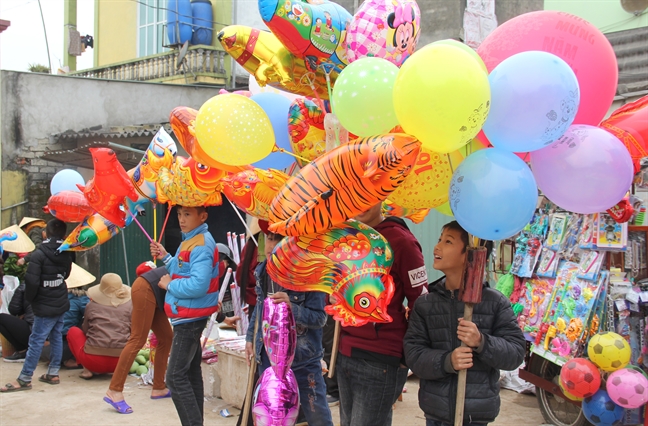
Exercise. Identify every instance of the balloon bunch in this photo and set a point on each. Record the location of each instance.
(276, 397)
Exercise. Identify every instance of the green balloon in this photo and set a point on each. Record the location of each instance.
(363, 97)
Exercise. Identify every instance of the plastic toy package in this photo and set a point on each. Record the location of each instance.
(534, 302)
(590, 265)
(610, 234)
(549, 261)
(586, 237)
(557, 231)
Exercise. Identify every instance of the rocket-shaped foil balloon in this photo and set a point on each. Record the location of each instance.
(276, 398)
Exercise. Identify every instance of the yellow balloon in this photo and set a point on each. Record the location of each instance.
(445, 209)
(234, 130)
(428, 183)
(466, 49)
(442, 97)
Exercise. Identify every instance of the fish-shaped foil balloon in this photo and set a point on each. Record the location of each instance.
(351, 262)
(253, 190)
(189, 183)
(343, 183)
(415, 215)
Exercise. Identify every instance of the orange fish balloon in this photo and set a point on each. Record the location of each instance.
(415, 215)
(182, 122)
(343, 183)
(253, 190)
(351, 262)
(68, 206)
(262, 55)
(189, 183)
(111, 184)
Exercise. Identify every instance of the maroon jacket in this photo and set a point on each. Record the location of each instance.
(384, 342)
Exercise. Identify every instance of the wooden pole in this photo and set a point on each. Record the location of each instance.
(250, 385)
(334, 350)
(461, 380)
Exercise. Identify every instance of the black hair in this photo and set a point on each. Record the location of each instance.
(274, 237)
(454, 225)
(56, 229)
(199, 209)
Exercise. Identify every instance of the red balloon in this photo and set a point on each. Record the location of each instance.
(68, 206)
(630, 124)
(579, 43)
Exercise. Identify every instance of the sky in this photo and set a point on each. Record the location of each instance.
(23, 43)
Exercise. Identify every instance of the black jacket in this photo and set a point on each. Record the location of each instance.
(432, 336)
(19, 306)
(45, 285)
(153, 278)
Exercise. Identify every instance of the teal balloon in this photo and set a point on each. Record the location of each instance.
(363, 97)
(493, 194)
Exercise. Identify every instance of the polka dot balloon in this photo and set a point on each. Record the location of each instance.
(234, 130)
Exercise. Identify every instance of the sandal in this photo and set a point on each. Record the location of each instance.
(49, 378)
(11, 388)
(120, 406)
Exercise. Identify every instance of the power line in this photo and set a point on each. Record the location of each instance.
(46, 42)
(623, 21)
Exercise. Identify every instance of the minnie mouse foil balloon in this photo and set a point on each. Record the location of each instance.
(276, 398)
(386, 29)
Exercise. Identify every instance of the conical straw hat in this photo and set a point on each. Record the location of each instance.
(27, 220)
(22, 244)
(79, 277)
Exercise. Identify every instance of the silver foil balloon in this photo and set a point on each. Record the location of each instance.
(276, 399)
(279, 335)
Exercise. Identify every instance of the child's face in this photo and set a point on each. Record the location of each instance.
(190, 218)
(270, 244)
(449, 253)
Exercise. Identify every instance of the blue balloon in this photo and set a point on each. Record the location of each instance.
(276, 106)
(66, 180)
(534, 99)
(493, 194)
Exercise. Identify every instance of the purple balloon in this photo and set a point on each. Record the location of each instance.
(279, 335)
(276, 399)
(588, 170)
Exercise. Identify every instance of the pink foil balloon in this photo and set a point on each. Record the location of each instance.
(279, 335)
(583, 46)
(276, 399)
(588, 170)
(386, 29)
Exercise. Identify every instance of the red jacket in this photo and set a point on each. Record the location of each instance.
(384, 342)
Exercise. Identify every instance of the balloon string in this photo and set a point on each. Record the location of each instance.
(169, 207)
(450, 162)
(328, 88)
(312, 86)
(276, 148)
(155, 221)
(140, 225)
(525, 156)
(243, 222)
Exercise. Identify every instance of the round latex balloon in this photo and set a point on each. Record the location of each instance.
(579, 43)
(442, 97)
(534, 98)
(427, 186)
(276, 106)
(587, 171)
(66, 180)
(465, 48)
(493, 194)
(387, 29)
(234, 130)
(363, 97)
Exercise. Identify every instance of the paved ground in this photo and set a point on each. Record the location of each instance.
(79, 402)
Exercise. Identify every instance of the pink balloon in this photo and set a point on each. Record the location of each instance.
(588, 170)
(628, 388)
(387, 29)
(279, 335)
(579, 43)
(276, 400)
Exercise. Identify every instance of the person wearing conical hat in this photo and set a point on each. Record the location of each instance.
(35, 229)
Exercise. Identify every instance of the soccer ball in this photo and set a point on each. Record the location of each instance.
(580, 377)
(566, 392)
(599, 409)
(628, 388)
(609, 351)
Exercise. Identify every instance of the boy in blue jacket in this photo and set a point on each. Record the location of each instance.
(310, 318)
(191, 297)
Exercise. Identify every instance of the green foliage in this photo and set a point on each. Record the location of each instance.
(12, 268)
(38, 68)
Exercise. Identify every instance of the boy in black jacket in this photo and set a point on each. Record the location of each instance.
(436, 330)
(45, 289)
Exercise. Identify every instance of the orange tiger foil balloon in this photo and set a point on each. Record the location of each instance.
(343, 183)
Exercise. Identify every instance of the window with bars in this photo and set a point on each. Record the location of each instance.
(150, 32)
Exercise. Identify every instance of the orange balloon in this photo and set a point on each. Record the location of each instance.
(389, 208)
(191, 184)
(428, 184)
(343, 183)
(253, 190)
